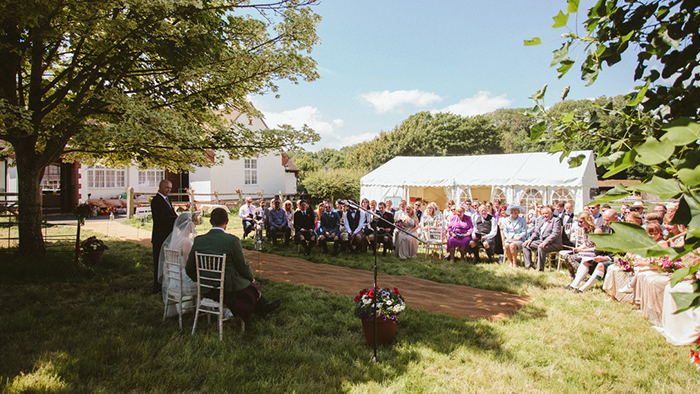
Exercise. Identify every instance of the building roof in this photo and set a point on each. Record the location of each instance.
(289, 166)
(526, 169)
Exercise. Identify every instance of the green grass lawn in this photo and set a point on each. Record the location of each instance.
(97, 329)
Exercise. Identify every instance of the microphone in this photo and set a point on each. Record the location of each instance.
(349, 203)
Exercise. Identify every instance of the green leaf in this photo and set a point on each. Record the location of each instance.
(621, 164)
(560, 20)
(576, 161)
(682, 131)
(559, 146)
(613, 194)
(566, 64)
(689, 176)
(560, 54)
(653, 151)
(688, 214)
(664, 188)
(629, 238)
(539, 95)
(565, 92)
(681, 273)
(685, 301)
(638, 96)
(537, 131)
(572, 6)
(533, 42)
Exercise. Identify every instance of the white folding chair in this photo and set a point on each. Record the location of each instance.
(577, 236)
(435, 239)
(210, 276)
(174, 295)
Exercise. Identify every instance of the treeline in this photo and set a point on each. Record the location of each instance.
(336, 173)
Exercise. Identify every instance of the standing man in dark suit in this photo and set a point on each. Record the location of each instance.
(241, 295)
(546, 238)
(163, 219)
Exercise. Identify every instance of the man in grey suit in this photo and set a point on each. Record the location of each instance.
(545, 238)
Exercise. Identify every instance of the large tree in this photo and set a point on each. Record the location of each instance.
(427, 134)
(141, 82)
(660, 116)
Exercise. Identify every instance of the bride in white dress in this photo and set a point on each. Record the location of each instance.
(180, 238)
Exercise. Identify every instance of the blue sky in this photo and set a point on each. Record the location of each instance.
(384, 60)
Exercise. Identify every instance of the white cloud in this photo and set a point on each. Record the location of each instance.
(312, 117)
(387, 101)
(481, 103)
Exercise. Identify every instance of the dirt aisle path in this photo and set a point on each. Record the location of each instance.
(459, 301)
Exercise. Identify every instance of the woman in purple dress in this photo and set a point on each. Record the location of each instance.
(460, 231)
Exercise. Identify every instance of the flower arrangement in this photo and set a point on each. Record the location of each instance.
(390, 304)
(84, 211)
(695, 353)
(92, 244)
(666, 265)
(625, 265)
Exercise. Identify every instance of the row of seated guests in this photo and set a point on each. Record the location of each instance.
(347, 228)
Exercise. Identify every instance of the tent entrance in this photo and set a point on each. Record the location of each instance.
(430, 194)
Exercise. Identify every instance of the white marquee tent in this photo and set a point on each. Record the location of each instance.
(514, 178)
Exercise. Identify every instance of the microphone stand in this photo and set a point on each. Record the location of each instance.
(374, 304)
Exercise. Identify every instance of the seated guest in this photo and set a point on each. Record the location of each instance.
(545, 238)
(367, 231)
(278, 224)
(329, 230)
(429, 219)
(389, 206)
(246, 214)
(514, 231)
(241, 294)
(484, 234)
(599, 260)
(459, 232)
(383, 229)
(289, 211)
(354, 221)
(417, 209)
(373, 206)
(261, 217)
(583, 245)
(407, 245)
(304, 223)
(449, 210)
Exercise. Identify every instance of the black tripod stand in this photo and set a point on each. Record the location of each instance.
(354, 205)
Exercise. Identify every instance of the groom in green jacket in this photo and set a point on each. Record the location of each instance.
(241, 294)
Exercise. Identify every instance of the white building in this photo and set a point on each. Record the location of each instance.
(272, 174)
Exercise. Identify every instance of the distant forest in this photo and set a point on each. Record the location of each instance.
(445, 134)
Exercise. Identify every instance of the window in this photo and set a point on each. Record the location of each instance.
(151, 178)
(465, 195)
(499, 195)
(562, 195)
(530, 196)
(52, 178)
(251, 171)
(106, 178)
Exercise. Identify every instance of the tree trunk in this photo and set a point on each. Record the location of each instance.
(29, 174)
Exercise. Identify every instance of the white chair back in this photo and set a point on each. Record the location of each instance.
(174, 293)
(211, 269)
